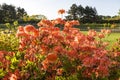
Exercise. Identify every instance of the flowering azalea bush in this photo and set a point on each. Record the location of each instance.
(49, 53)
(115, 56)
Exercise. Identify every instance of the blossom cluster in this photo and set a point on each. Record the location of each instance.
(64, 48)
(47, 52)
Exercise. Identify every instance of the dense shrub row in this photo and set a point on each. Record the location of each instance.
(49, 53)
(52, 53)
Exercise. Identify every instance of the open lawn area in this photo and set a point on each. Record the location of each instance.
(111, 38)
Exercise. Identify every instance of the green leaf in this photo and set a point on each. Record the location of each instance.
(7, 57)
(12, 67)
(2, 73)
(14, 60)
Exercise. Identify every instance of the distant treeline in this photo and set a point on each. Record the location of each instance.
(10, 13)
(88, 14)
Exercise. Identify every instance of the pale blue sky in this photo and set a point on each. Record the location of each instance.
(49, 8)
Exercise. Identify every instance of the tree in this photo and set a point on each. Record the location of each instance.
(21, 13)
(38, 17)
(1, 14)
(9, 13)
(73, 12)
(90, 14)
(80, 11)
(87, 14)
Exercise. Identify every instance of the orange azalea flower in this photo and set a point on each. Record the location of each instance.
(75, 22)
(72, 54)
(2, 54)
(59, 71)
(100, 35)
(116, 54)
(45, 64)
(92, 33)
(58, 49)
(108, 32)
(79, 67)
(45, 23)
(52, 57)
(103, 31)
(68, 24)
(44, 48)
(105, 44)
(59, 21)
(74, 45)
(103, 70)
(21, 32)
(20, 28)
(36, 33)
(29, 28)
(13, 77)
(61, 11)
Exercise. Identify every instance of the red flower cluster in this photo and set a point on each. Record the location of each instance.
(48, 52)
(61, 11)
(55, 45)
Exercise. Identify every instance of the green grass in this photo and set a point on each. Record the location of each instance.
(112, 38)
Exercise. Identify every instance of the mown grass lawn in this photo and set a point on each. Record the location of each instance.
(112, 38)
